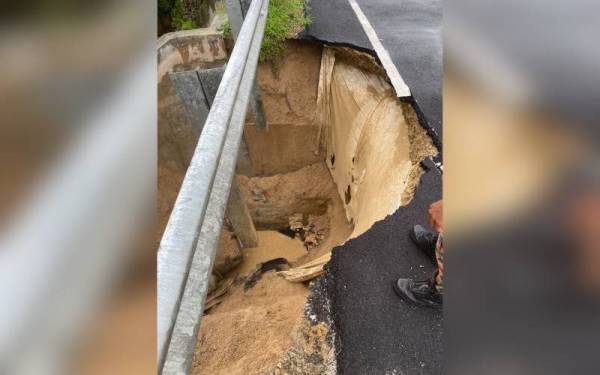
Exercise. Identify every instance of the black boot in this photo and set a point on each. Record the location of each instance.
(420, 293)
(425, 240)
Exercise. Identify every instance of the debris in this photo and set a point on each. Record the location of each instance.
(313, 233)
(272, 244)
(310, 354)
(218, 295)
(313, 351)
(273, 264)
(296, 222)
(307, 271)
(308, 190)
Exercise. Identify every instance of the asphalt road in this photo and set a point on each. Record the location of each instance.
(377, 333)
(411, 33)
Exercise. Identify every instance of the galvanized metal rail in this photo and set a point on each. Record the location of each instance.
(188, 246)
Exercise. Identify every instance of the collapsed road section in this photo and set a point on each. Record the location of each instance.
(340, 154)
(361, 159)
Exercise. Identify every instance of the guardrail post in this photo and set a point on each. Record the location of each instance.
(197, 90)
(236, 12)
(240, 218)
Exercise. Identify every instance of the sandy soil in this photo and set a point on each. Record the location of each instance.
(272, 200)
(250, 331)
(289, 97)
(264, 330)
(369, 136)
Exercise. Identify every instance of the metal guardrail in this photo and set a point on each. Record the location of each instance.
(188, 246)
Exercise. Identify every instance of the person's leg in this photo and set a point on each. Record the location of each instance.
(425, 240)
(429, 292)
(420, 293)
(425, 293)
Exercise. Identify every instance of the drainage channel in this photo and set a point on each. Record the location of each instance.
(340, 153)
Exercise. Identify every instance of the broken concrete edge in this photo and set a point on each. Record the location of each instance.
(329, 281)
(317, 310)
(423, 121)
(400, 87)
(303, 37)
(426, 124)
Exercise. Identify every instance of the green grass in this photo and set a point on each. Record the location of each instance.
(286, 18)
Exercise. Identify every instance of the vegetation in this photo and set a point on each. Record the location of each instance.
(226, 30)
(174, 11)
(285, 20)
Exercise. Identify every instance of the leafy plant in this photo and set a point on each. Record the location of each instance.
(225, 28)
(173, 10)
(164, 7)
(286, 19)
(183, 24)
(179, 20)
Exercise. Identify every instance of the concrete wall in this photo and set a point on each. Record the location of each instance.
(179, 51)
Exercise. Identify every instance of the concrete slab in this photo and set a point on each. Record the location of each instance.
(210, 80)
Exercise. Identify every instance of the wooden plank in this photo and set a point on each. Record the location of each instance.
(307, 271)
